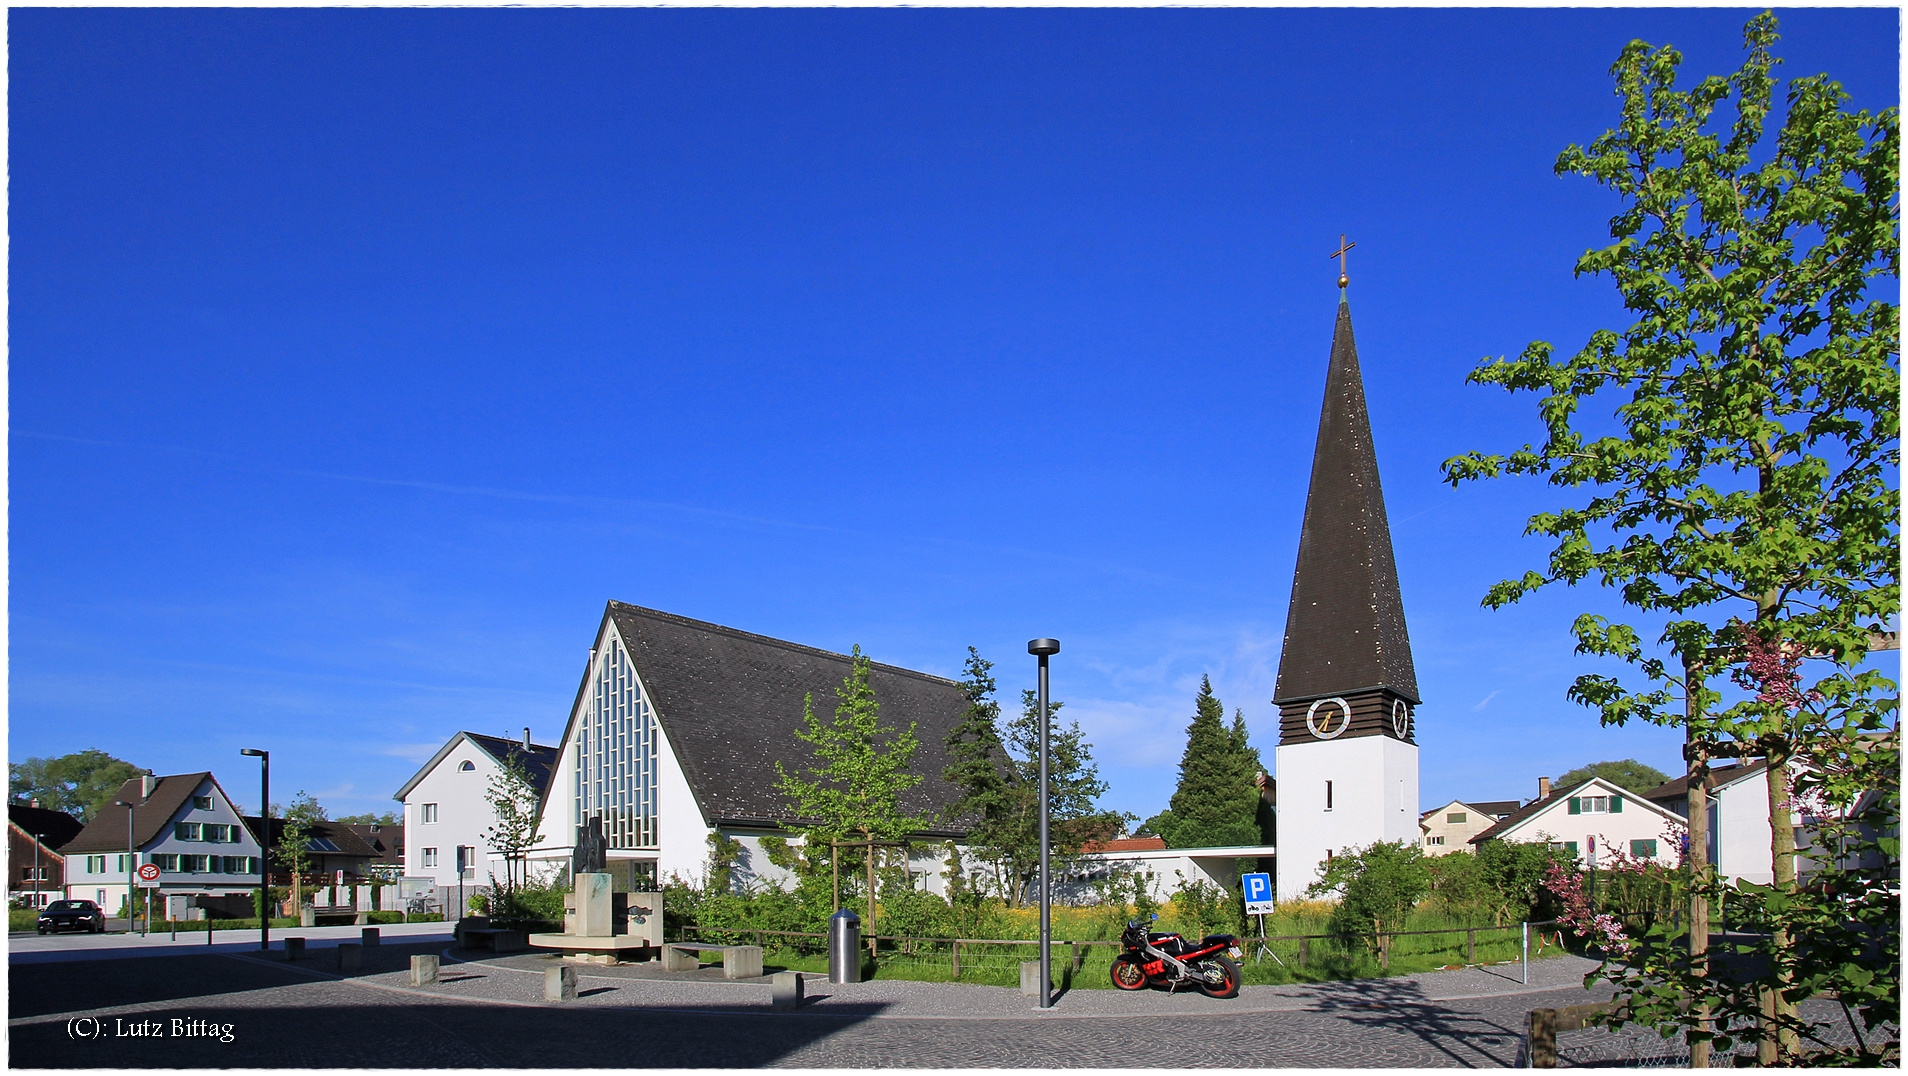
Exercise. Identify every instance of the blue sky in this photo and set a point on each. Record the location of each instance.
(359, 356)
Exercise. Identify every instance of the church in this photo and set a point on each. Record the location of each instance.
(1347, 757)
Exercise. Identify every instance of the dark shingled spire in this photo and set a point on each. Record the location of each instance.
(1345, 632)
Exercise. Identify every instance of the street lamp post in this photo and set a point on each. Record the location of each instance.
(131, 861)
(264, 839)
(1044, 649)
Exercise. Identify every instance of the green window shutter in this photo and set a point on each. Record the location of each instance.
(1576, 807)
(1643, 849)
(1571, 847)
(1616, 804)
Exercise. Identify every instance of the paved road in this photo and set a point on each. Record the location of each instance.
(193, 1009)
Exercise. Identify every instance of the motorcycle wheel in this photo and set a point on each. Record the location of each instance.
(1128, 975)
(1223, 984)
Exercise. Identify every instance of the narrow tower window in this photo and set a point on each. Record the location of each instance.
(1328, 795)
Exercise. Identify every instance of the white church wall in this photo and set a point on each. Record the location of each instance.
(1372, 786)
(682, 836)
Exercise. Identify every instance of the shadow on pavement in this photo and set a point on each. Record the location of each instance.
(1466, 1040)
(177, 1012)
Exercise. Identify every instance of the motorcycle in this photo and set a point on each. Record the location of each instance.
(1159, 959)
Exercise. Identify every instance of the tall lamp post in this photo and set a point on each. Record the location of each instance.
(39, 884)
(131, 865)
(264, 839)
(1044, 649)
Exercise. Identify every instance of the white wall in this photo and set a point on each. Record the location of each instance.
(1739, 823)
(462, 816)
(1374, 798)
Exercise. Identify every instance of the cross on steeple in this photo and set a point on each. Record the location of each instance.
(1343, 277)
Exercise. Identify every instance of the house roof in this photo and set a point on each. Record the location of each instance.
(1557, 796)
(53, 828)
(1345, 627)
(539, 760)
(1487, 808)
(386, 841)
(340, 837)
(1126, 844)
(107, 831)
(1676, 790)
(730, 702)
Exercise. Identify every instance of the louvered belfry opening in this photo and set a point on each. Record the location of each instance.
(1345, 637)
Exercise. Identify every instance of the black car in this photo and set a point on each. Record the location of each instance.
(73, 915)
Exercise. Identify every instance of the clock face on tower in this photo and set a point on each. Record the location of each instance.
(1400, 719)
(1334, 719)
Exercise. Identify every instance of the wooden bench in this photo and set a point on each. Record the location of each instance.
(496, 939)
(738, 961)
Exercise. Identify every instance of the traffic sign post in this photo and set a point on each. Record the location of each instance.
(1258, 902)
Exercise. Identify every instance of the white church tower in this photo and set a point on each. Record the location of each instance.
(1347, 758)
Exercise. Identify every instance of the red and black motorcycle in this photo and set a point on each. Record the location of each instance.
(1157, 959)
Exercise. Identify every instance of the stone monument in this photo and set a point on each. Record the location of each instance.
(599, 924)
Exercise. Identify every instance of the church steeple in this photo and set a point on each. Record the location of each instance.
(1345, 637)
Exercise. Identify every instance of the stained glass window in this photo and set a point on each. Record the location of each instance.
(616, 745)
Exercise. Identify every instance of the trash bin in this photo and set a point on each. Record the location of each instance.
(844, 947)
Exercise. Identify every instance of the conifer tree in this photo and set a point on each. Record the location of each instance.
(1217, 802)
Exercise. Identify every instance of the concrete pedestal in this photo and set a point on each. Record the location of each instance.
(369, 936)
(786, 990)
(559, 983)
(294, 948)
(350, 956)
(424, 970)
(1030, 978)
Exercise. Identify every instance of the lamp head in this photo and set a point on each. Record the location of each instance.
(122, 803)
(254, 752)
(1043, 647)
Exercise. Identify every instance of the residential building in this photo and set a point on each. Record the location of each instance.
(1163, 869)
(37, 872)
(333, 849)
(1451, 827)
(1594, 821)
(446, 809)
(186, 824)
(388, 843)
(1347, 691)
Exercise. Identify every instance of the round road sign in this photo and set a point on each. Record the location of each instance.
(149, 872)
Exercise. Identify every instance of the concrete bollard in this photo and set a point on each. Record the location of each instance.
(424, 970)
(294, 948)
(306, 916)
(369, 936)
(1030, 978)
(559, 983)
(786, 990)
(350, 956)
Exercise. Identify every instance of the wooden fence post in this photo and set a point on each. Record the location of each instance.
(1074, 948)
(1470, 946)
(957, 958)
(1302, 947)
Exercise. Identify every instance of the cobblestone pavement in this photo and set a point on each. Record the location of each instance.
(180, 1010)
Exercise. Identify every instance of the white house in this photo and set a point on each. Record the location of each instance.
(1594, 820)
(187, 825)
(1450, 828)
(446, 812)
(673, 735)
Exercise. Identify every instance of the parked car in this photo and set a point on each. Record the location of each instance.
(73, 915)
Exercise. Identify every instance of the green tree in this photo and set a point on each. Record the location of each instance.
(861, 766)
(79, 784)
(513, 829)
(1217, 801)
(293, 850)
(1628, 773)
(1746, 493)
(367, 818)
(997, 773)
(1377, 887)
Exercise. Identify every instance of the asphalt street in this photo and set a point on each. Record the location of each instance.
(232, 1008)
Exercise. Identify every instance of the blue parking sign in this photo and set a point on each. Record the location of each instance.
(1258, 893)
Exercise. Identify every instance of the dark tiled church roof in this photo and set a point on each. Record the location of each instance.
(730, 702)
(1345, 630)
